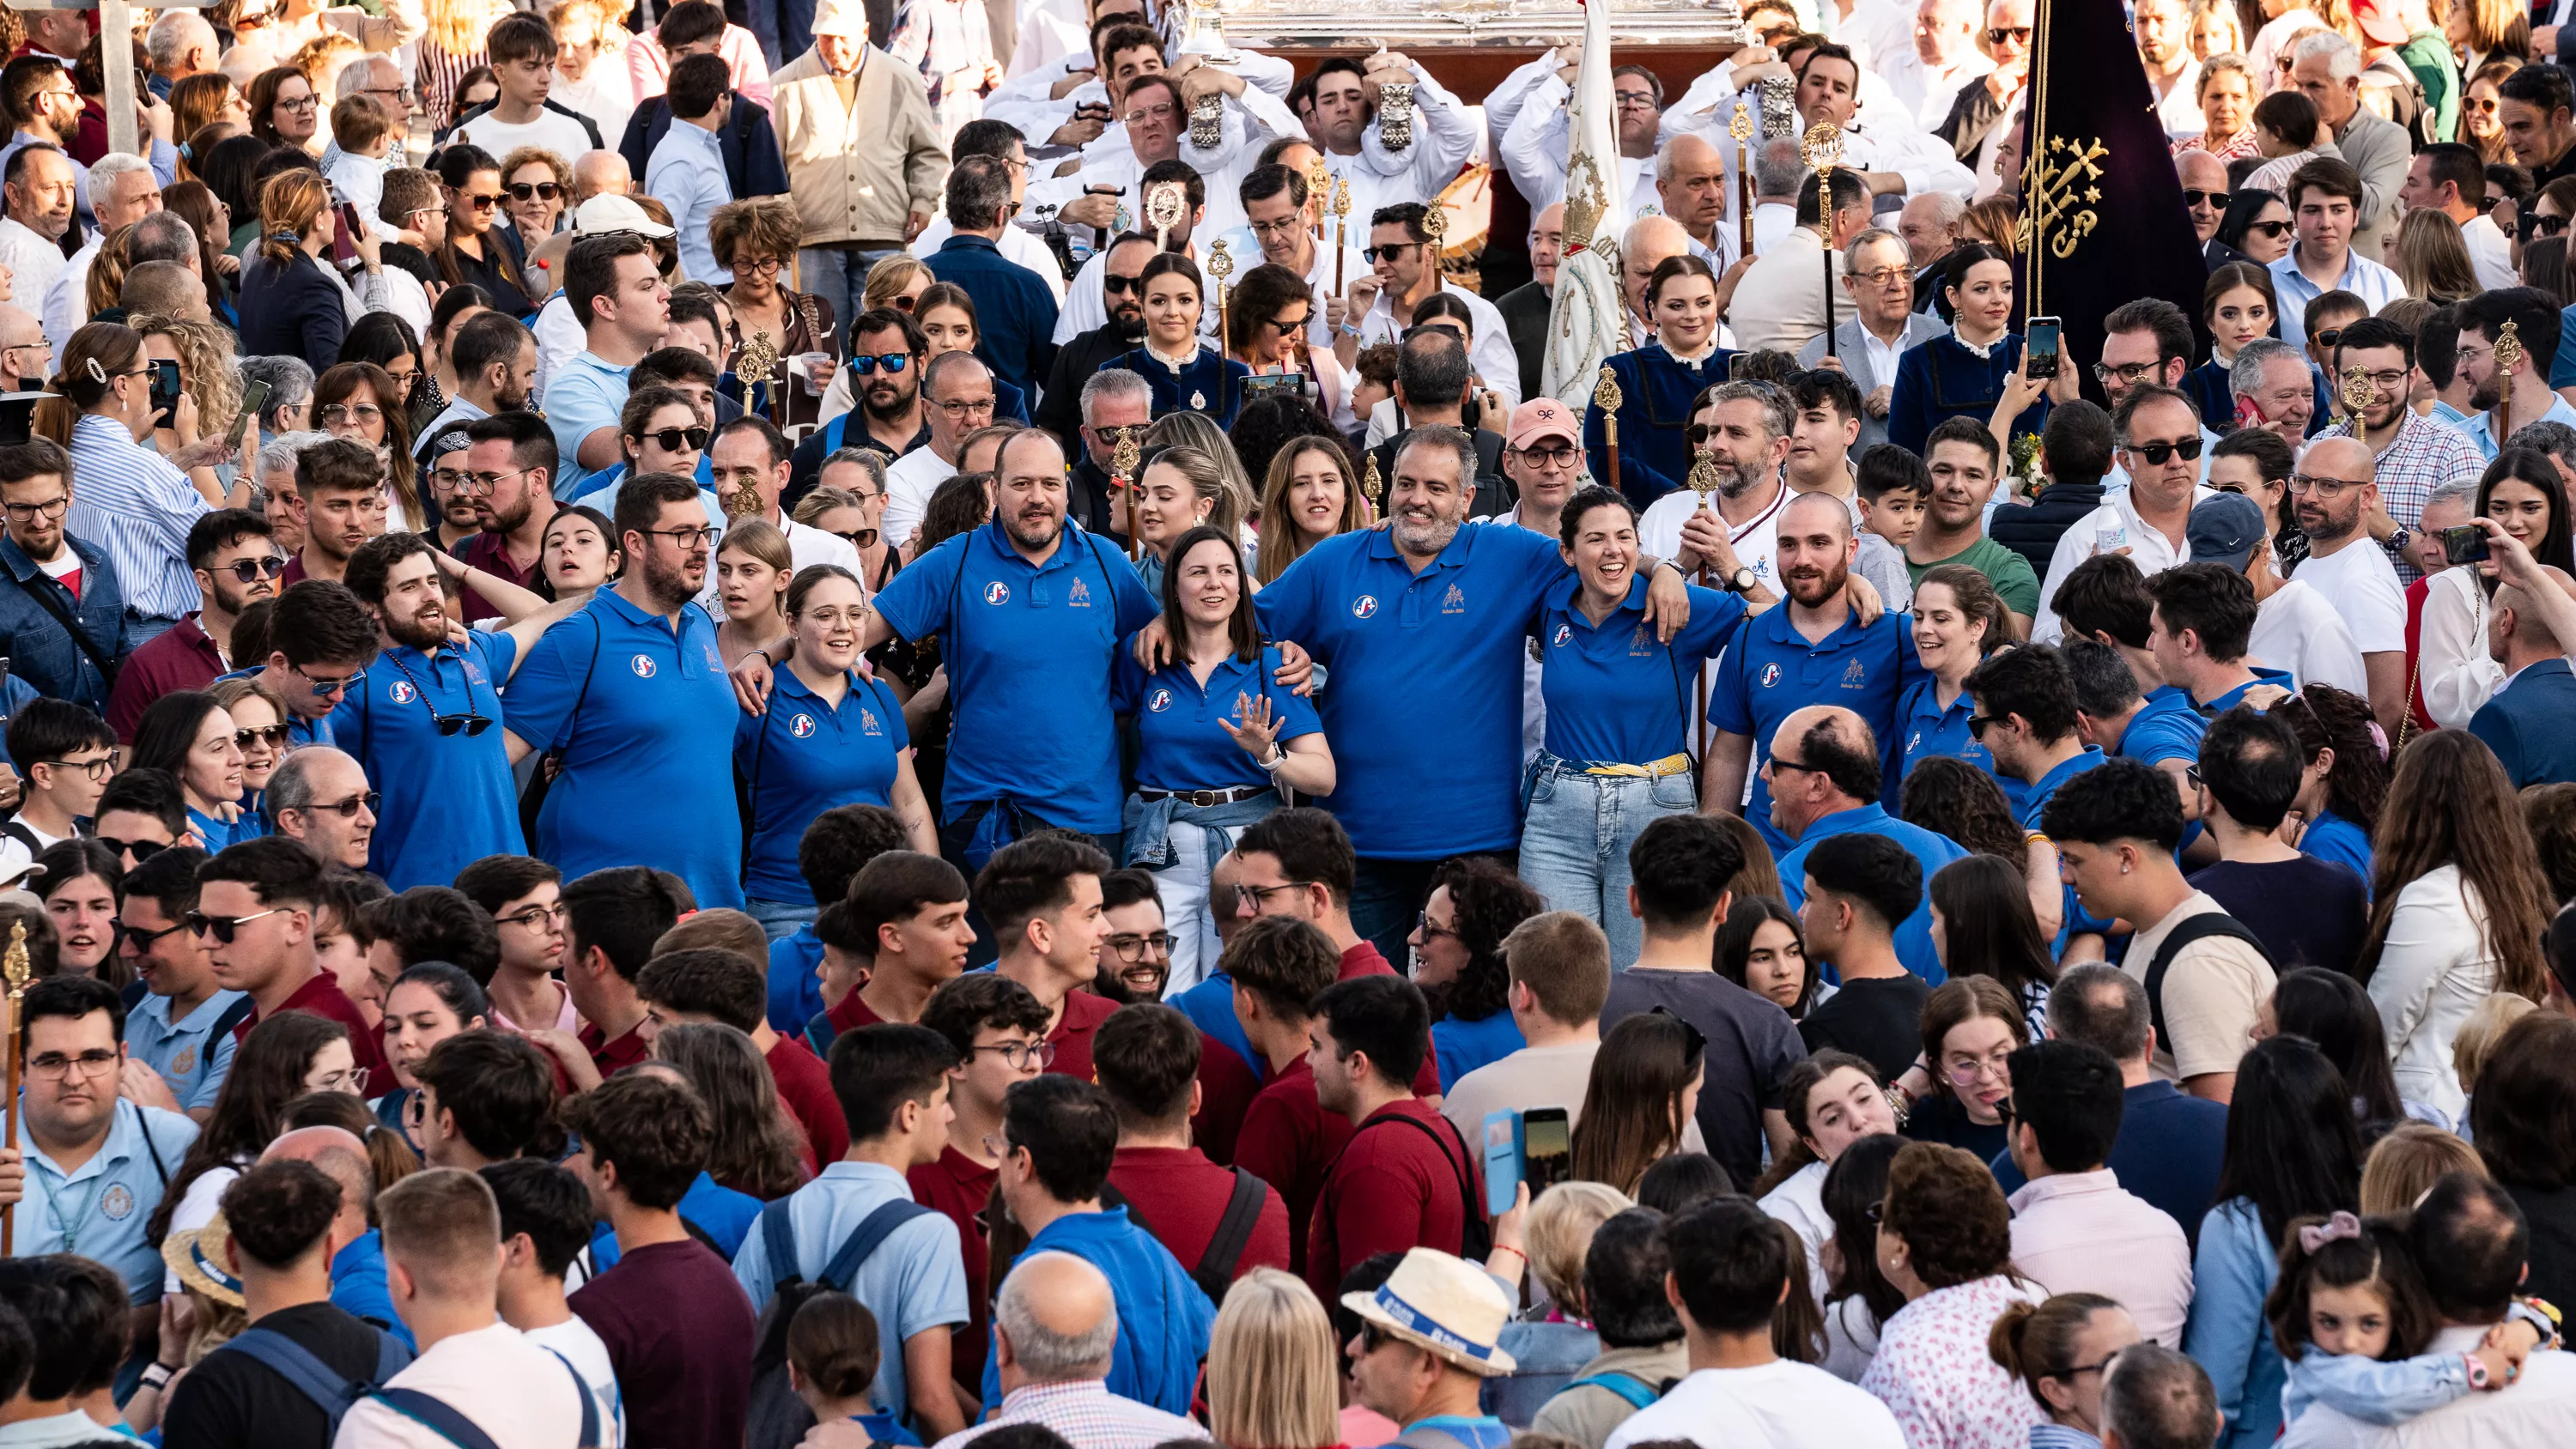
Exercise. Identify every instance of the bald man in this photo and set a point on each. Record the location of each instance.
(1644, 247)
(24, 356)
(2335, 489)
(2205, 176)
(1690, 184)
(2525, 722)
(1824, 771)
(358, 1285)
(1055, 1330)
(1525, 307)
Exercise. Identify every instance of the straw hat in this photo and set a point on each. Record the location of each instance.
(1442, 1304)
(197, 1256)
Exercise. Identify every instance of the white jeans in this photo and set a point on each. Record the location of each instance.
(1183, 885)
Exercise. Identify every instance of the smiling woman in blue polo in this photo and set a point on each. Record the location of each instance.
(1218, 740)
(830, 737)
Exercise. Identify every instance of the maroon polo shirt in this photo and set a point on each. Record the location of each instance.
(490, 552)
(1288, 1141)
(322, 996)
(958, 1188)
(1083, 1014)
(679, 1333)
(295, 573)
(850, 1014)
(182, 657)
(611, 1057)
(1391, 1188)
(805, 1086)
(1226, 1089)
(1364, 960)
(1182, 1196)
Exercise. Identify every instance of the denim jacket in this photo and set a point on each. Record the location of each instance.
(37, 648)
(2228, 1334)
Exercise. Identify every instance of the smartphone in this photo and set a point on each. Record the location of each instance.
(344, 239)
(254, 398)
(165, 391)
(2464, 544)
(1547, 1147)
(1735, 366)
(1502, 1161)
(1274, 384)
(17, 410)
(2249, 413)
(2041, 346)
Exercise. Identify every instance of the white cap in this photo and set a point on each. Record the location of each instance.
(843, 19)
(609, 212)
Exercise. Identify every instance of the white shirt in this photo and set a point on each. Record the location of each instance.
(2148, 547)
(2453, 668)
(2360, 584)
(2297, 630)
(514, 1391)
(1929, 94)
(33, 260)
(910, 480)
(580, 1345)
(66, 301)
(560, 339)
(1489, 348)
(2490, 253)
(605, 93)
(2437, 965)
(2533, 1414)
(551, 130)
(1799, 1201)
(1781, 1405)
(2179, 112)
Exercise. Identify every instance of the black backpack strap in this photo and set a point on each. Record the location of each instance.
(441, 1417)
(2190, 929)
(872, 1231)
(1471, 1217)
(45, 599)
(234, 1015)
(1224, 1253)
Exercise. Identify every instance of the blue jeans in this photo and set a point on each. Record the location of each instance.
(1575, 838)
(839, 275)
(781, 918)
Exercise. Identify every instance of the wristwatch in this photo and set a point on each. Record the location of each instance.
(1742, 581)
(2397, 541)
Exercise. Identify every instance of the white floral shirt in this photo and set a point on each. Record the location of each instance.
(1932, 1370)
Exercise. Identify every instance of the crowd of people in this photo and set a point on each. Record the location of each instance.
(1946, 894)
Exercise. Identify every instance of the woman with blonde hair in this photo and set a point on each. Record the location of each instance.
(1181, 489)
(320, 60)
(2481, 31)
(1311, 495)
(898, 282)
(106, 281)
(2482, 114)
(292, 303)
(1274, 1377)
(1551, 1340)
(2405, 1164)
(205, 357)
(259, 731)
(1198, 430)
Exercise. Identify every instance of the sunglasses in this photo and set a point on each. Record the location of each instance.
(274, 736)
(534, 191)
(2271, 230)
(2214, 200)
(347, 810)
(2002, 33)
(481, 203)
(2156, 453)
(141, 850)
(1390, 251)
(1116, 285)
(449, 726)
(223, 927)
(2533, 224)
(866, 364)
(670, 440)
(252, 570)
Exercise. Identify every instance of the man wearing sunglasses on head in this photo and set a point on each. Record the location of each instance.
(255, 911)
(425, 723)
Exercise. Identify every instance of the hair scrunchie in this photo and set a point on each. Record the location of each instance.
(2340, 1226)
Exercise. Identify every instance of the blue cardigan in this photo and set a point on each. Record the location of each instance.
(1942, 379)
(1656, 390)
(292, 311)
(2228, 1335)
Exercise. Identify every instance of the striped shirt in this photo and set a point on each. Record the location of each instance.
(131, 502)
(1085, 1414)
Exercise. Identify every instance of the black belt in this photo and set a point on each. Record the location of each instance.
(1208, 799)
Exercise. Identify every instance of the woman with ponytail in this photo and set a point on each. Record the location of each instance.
(2058, 1349)
(293, 302)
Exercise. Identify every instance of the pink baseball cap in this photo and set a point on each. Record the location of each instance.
(1541, 417)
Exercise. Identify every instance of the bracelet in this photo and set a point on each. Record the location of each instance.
(1507, 1248)
(158, 1376)
(764, 656)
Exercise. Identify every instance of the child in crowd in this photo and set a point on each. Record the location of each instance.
(363, 138)
(832, 1358)
(1894, 487)
(2352, 1316)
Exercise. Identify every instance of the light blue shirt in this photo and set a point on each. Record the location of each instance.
(2374, 284)
(2479, 427)
(99, 1209)
(188, 1053)
(914, 1281)
(585, 395)
(687, 172)
(132, 503)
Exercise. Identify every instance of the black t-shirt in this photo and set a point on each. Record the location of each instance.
(1752, 1044)
(232, 1401)
(1940, 1118)
(2306, 912)
(1878, 1019)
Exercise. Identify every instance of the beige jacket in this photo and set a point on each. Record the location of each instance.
(858, 172)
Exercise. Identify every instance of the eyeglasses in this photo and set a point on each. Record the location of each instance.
(686, 537)
(537, 918)
(1285, 226)
(322, 687)
(473, 483)
(2214, 200)
(2078, 1370)
(299, 103)
(1968, 1071)
(274, 736)
(98, 769)
(1778, 763)
(2387, 382)
(1883, 277)
(2001, 33)
(997, 1145)
(1430, 930)
(2156, 453)
(759, 266)
(1142, 114)
(1261, 894)
(252, 570)
(141, 850)
(57, 1067)
(143, 940)
(2322, 487)
(1565, 457)
(866, 364)
(30, 512)
(1635, 100)
(346, 809)
(1017, 1055)
(1133, 949)
(223, 927)
(364, 414)
(1390, 251)
(2130, 374)
(534, 191)
(966, 407)
(671, 440)
(1116, 285)
(2271, 230)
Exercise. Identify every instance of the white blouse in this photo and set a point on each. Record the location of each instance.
(2451, 660)
(2436, 965)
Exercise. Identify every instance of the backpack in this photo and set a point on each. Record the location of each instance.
(445, 1420)
(1214, 1272)
(2192, 928)
(1475, 1235)
(317, 1380)
(1639, 1393)
(778, 1418)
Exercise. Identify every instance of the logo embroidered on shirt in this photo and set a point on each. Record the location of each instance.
(401, 692)
(1365, 606)
(802, 727)
(1563, 633)
(1453, 602)
(185, 1062)
(117, 1202)
(1854, 675)
(1159, 701)
(643, 666)
(868, 723)
(1639, 645)
(1770, 675)
(1079, 596)
(997, 592)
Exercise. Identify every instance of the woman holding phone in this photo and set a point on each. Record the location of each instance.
(1977, 370)
(2521, 491)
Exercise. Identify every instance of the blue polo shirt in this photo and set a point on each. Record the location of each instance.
(1928, 730)
(220, 833)
(1210, 1006)
(361, 1288)
(584, 395)
(1163, 1318)
(1930, 849)
(99, 1209)
(644, 718)
(1615, 693)
(795, 992)
(2234, 697)
(2166, 727)
(1030, 650)
(804, 756)
(2332, 837)
(1460, 1047)
(2034, 805)
(1436, 656)
(1773, 672)
(1182, 745)
(447, 801)
(189, 1054)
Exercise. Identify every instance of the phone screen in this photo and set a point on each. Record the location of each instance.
(254, 398)
(165, 391)
(344, 238)
(1547, 1146)
(2464, 544)
(2043, 343)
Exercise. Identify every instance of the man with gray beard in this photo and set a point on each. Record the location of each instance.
(1423, 624)
(1743, 428)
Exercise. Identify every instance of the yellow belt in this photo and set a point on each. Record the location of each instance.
(1668, 765)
